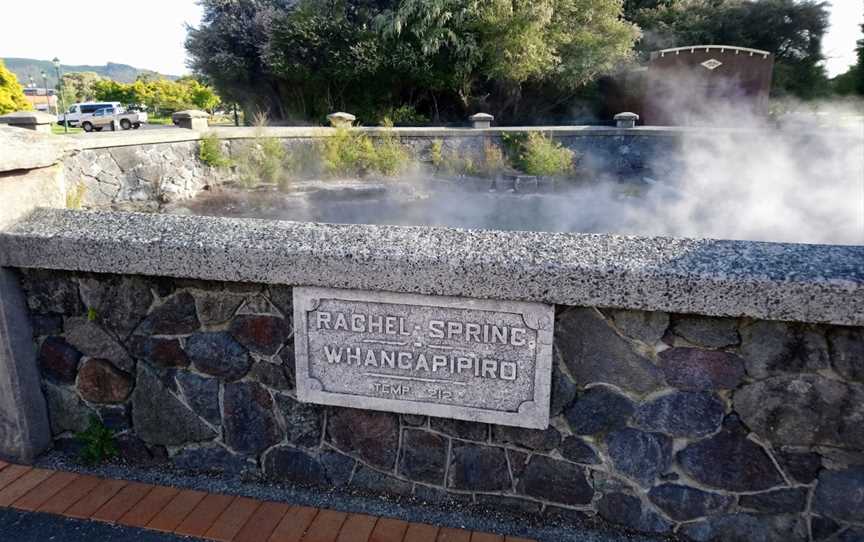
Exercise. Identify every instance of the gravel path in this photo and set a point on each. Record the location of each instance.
(475, 518)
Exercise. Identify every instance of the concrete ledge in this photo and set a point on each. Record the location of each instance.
(174, 135)
(773, 281)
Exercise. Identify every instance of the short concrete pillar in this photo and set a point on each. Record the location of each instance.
(626, 120)
(340, 119)
(481, 120)
(191, 119)
(29, 120)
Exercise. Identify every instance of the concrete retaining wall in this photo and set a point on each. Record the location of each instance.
(140, 169)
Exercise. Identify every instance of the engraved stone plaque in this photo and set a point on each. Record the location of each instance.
(450, 357)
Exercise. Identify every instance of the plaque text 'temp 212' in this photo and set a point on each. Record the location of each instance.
(450, 357)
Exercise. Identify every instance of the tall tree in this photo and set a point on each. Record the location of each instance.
(791, 29)
(310, 57)
(11, 92)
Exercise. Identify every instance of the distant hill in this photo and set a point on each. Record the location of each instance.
(25, 67)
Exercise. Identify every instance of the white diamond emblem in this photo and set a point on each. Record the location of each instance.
(712, 64)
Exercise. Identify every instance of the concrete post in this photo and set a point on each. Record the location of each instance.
(191, 119)
(24, 429)
(481, 120)
(626, 120)
(341, 119)
(29, 120)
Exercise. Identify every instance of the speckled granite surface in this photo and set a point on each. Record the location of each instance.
(809, 283)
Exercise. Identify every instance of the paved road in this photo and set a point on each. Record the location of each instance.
(35, 527)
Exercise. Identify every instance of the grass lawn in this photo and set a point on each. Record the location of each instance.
(160, 120)
(57, 129)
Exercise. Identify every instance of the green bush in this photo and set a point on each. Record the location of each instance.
(349, 153)
(536, 154)
(97, 442)
(262, 160)
(404, 115)
(210, 152)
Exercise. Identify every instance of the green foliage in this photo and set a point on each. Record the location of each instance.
(311, 57)
(97, 442)
(494, 161)
(92, 315)
(262, 160)
(389, 157)
(159, 96)
(791, 29)
(210, 152)
(75, 195)
(349, 153)
(79, 87)
(404, 115)
(542, 156)
(436, 153)
(11, 92)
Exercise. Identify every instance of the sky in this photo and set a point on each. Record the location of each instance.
(150, 35)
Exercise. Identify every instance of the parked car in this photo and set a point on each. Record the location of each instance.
(73, 115)
(112, 117)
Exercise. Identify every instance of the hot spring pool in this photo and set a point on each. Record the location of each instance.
(639, 207)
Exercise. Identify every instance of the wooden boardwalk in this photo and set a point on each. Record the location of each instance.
(225, 518)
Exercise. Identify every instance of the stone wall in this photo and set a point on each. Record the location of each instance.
(715, 428)
(150, 173)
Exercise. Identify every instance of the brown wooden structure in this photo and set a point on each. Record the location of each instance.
(706, 84)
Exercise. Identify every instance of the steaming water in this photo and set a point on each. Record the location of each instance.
(804, 184)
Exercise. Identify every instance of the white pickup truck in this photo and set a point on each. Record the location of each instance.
(111, 117)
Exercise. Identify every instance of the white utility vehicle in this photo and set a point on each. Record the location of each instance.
(111, 117)
(73, 115)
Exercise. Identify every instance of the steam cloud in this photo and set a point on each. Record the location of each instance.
(800, 181)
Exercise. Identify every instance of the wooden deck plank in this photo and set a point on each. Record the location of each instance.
(229, 523)
(357, 528)
(122, 502)
(263, 522)
(326, 526)
(37, 496)
(293, 526)
(147, 508)
(69, 495)
(12, 473)
(204, 515)
(447, 534)
(23, 485)
(389, 530)
(176, 511)
(94, 500)
(486, 537)
(421, 532)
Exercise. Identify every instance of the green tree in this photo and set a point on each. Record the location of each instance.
(79, 86)
(11, 92)
(790, 29)
(442, 57)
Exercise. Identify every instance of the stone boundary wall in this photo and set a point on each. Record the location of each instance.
(713, 428)
(162, 165)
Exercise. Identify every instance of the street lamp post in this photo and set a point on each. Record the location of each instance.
(47, 95)
(56, 62)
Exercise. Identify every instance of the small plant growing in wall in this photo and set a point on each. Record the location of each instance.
(542, 156)
(436, 153)
(389, 157)
(263, 159)
(75, 195)
(210, 152)
(97, 442)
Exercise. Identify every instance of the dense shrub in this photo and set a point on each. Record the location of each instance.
(537, 154)
(210, 151)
